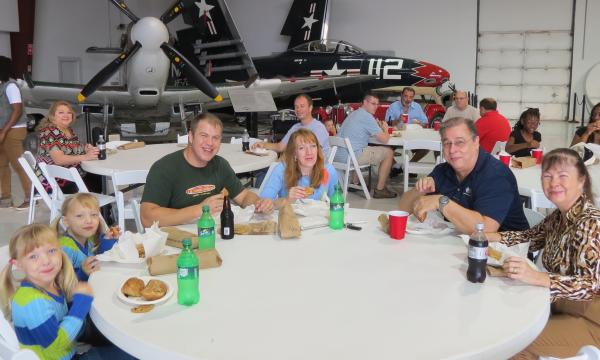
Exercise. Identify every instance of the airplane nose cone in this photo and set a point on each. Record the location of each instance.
(150, 32)
(432, 75)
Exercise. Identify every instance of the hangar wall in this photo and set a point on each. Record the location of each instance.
(9, 22)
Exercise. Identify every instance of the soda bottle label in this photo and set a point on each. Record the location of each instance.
(226, 231)
(336, 206)
(184, 272)
(478, 253)
(206, 232)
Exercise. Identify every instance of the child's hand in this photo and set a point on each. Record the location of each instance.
(112, 233)
(83, 288)
(90, 265)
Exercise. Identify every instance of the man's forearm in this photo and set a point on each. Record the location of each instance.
(167, 216)
(249, 198)
(464, 219)
(407, 200)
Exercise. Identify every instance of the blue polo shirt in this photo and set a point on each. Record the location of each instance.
(490, 189)
(415, 111)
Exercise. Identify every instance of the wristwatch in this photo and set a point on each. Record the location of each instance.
(443, 201)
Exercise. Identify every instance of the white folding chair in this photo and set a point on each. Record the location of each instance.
(587, 352)
(267, 176)
(9, 345)
(500, 146)
(182, 139)
(123, 178)
(137, 217)
(28, 163)
(350, 165)
(419, 167)
(533, 217)
(539, 200)
(53, 172)
(332, 152)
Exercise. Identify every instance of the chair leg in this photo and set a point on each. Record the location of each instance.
(346, 182)
(361, 179)
(32, 204)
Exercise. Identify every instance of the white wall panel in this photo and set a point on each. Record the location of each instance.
(503, 15)
(542, 94)
(500, 93)
(547, 58)
(546, 77)
(9, 16)
(549, 40)
(491, 76)
(500, 41)
(497, 58)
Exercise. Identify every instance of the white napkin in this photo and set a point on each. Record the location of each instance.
(154, 240)
(125, 247)
(519, 250)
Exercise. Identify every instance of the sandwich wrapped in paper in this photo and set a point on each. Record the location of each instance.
(523, 162)
(134, 247)
(167, 264)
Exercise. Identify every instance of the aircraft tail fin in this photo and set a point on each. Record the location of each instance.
(307, 20)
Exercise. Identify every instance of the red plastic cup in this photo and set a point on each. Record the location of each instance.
(398, 221)
(537, 154)
(405, 118)
(436, 125)
(505, 159)
(390, 130)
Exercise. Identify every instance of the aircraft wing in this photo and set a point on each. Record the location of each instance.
(43, 94)
(277, 87)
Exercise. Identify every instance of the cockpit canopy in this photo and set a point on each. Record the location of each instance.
(329, 47)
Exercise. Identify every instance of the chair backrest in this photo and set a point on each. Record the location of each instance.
(121, 178)
(539, 200)
(267, 176)
(182, 139)
(53, 172)
(417, 144)
(9, 344)
(28, 163)
(533, 217)
(332, 152)
(498, 147)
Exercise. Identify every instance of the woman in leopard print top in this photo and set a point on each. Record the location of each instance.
(570, 237)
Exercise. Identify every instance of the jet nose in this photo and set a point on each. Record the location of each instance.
(432, 75)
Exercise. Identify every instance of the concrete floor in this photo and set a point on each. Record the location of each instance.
(554, 134)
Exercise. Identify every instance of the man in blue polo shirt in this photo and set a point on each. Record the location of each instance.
(406, 105)
(471, 187)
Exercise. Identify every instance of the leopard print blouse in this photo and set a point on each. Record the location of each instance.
(571, 244)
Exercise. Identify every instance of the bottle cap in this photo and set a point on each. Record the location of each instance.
(187, 242)
(205, 208)
(479, 227)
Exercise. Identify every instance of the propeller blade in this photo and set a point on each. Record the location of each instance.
(174, 10)
(125, 10)
(101, 77)
(191, 73)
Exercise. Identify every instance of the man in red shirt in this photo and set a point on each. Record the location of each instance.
(491, 126)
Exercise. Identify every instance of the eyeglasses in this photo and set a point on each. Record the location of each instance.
(374, 103)
(460, 143)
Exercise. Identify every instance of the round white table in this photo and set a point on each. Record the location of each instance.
(330, 295)
(143, 158)
(416, 134)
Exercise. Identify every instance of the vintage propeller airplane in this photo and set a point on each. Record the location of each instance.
(148, 57)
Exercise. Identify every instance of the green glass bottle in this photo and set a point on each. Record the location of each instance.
(206, 230)
(336, 209)
(188, 292)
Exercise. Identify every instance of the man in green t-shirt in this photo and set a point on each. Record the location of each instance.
(181, 183)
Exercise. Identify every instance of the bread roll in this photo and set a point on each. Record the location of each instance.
(154, 290)
(133, 287)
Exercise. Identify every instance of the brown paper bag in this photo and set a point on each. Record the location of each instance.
(384, 222)
(495, 271)
(132, 145)
(167, 264)
(175, 237)
(289, 226)
(257, 228)
(523, 162)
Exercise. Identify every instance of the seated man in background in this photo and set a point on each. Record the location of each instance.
(492, 126)
(303, 106)
(358, 127)
(181, 183)
(461, 108)
(406, 105)
(471, 187)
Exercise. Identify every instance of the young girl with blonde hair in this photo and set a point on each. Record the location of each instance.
(84, 237)
(43, 321)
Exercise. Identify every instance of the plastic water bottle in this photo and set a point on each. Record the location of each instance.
(188, 292)
(206, 230)
(102, 147)
(478, 246)
(336, 209)
(245, 141)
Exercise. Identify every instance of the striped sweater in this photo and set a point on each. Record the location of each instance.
(44, 323)
(77, 253)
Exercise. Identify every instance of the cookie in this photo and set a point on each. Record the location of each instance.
(142, 309)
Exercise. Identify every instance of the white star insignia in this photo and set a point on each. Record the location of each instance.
(309, 21)
(334, 71)
(204, 8)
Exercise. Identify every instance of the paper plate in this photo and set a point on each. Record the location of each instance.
(140, 300)
(417, 228)
(113, 255)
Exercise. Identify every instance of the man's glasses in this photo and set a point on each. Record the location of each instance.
(460, 143)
